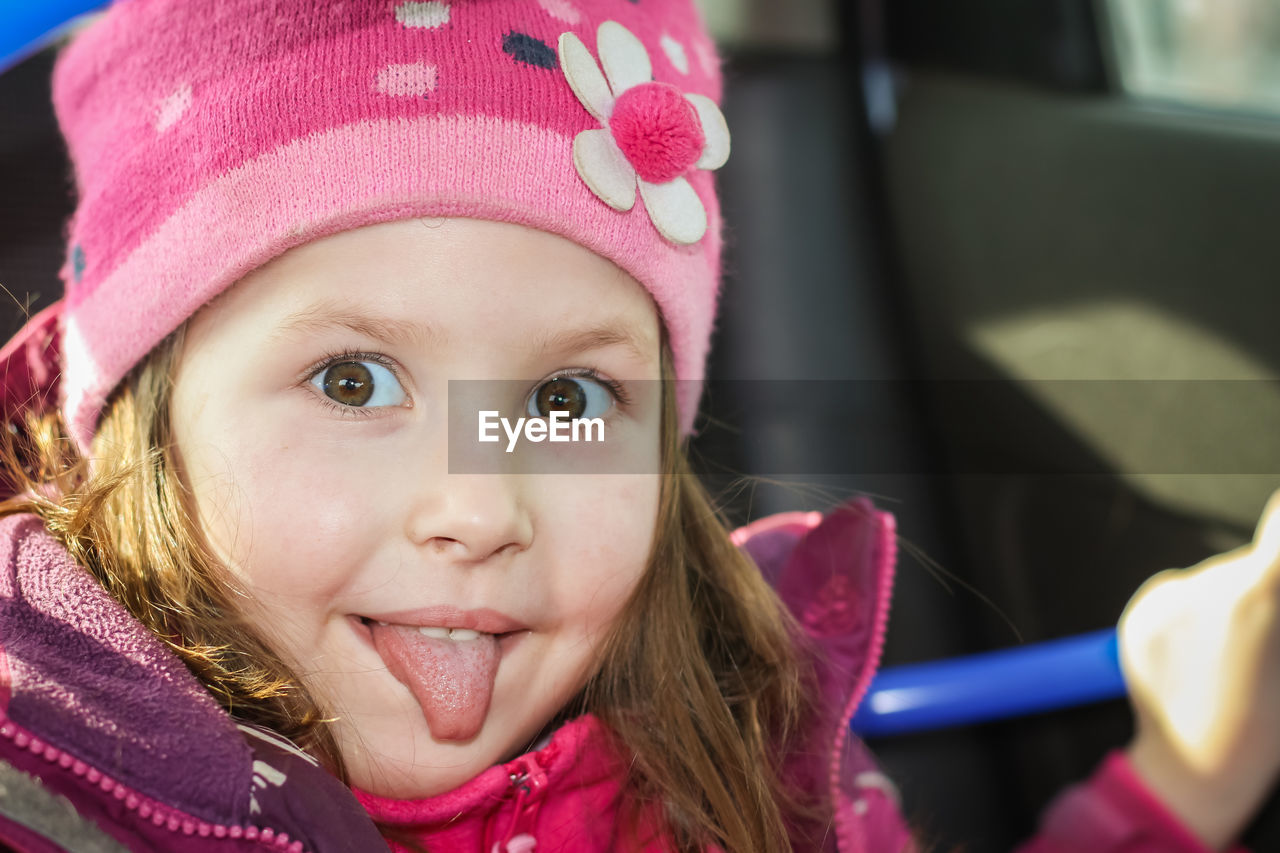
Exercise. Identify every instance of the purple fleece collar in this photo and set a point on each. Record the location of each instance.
(86, 677)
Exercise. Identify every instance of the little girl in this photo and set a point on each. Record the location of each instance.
(267, 587)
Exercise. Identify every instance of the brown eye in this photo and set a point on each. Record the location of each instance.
(562, 394)
(360, 384)
(576, 396)
(349, 383)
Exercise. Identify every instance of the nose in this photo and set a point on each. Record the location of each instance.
(471, 517)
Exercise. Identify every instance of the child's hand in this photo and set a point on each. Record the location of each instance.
(1200, 649)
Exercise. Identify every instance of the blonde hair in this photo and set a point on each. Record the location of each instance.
(700, 678)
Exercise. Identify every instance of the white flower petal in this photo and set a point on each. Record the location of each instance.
(714, 128)
(625, 61)
(676, 210)
(605, 168)
(584, 77)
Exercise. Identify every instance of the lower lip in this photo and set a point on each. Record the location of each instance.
(506, 642)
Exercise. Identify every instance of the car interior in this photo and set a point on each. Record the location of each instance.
(1026, 308)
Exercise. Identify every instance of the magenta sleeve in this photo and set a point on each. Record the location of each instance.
(1113, 812)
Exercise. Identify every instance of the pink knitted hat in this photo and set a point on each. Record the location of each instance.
(209, 137)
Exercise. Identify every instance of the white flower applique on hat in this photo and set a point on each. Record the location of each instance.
(652, 136)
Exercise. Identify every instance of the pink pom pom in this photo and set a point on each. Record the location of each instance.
(658, 130)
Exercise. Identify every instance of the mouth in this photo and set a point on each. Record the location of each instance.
(507, 640)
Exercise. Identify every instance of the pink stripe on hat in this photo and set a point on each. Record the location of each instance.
(208, 138)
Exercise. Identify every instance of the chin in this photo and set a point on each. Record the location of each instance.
(434, 768)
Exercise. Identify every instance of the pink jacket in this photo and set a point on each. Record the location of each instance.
(109, 736)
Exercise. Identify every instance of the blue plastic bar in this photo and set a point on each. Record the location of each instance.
(992, 685)
(26, 26)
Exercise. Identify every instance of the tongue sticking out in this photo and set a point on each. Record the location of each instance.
(451, 679)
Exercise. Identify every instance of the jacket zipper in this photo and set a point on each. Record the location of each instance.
(146, 809)
(529, 782)
(886, 557)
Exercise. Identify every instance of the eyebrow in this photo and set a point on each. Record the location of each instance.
(329, 316)
(607, 334)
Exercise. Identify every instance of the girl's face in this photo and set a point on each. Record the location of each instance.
(310, 416)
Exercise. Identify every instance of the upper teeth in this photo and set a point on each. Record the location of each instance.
(449, 633)
(437, 633)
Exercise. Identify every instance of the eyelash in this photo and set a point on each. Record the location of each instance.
(614, 387)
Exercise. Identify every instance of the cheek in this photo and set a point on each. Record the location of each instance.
(605, 530)
(279, 519)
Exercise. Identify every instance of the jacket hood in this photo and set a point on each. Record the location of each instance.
(835, 574)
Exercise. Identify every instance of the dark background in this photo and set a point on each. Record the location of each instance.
(946, 170)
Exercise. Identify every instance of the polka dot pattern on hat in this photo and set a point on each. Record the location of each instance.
(529, 50)
(415, 79)
(171, 108)
(423, 15)
(562, 10)
(77, 262)
(675, 54)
